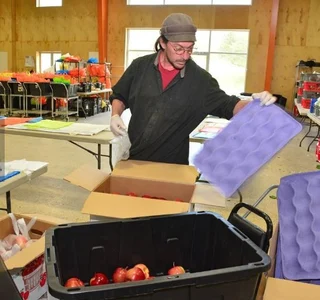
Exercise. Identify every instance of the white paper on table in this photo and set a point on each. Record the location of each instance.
(23, 165)
(73, 129)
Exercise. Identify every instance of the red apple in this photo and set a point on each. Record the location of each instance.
(21, 241)
(119, 275)
(73, 282)
(99, 279)
(132, 194)
(144, 269)
(176, 270)
(135, 274)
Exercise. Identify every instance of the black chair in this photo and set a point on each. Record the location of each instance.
(17, 92)
(38, 90)
(4, 103)
(67, 93)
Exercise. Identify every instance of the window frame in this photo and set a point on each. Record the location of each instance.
(199, 51)
(39, 4)
(196, 2)
(38, 59)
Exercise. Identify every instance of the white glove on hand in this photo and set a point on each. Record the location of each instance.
(265, 97)
(117, 126)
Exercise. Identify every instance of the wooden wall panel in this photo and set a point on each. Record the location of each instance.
(5, 21)
(71, 28)
(231, 17)
(297, 39)
(258, 24)
(6, 29)
(313, 33)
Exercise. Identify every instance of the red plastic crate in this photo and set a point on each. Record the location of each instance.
(311, 86)
(305, 103)
(300, 91)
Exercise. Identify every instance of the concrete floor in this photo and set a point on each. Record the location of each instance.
(51, 195)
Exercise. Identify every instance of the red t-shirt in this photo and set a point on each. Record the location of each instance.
(167, 75)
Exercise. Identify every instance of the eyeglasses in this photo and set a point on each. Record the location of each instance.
(181, 50)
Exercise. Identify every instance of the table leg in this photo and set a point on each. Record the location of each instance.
(110, 157)
(310, 125)
(99, 156)
(8, 198)
(315, 138)
(260, 199)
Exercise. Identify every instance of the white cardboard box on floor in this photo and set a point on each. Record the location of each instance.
(25, 267)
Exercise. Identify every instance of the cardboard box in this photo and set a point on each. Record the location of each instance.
(27, 266)
(281, 289)
(206, 194)
(109, 198)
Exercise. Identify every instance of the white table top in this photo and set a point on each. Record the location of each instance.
(207, 120)
(302, 111)
(314, 118)
(94, 92)
(19, 179)
(103, 137)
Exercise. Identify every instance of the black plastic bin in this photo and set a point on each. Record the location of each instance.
(221, 262)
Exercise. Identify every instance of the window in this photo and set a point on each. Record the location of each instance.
(223, 53)
(47, 3)
(189, 2)
(46, 60)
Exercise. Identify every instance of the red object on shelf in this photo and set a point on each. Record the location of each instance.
(305, 103)
(300, 91)
(295, 111)
(311, 86)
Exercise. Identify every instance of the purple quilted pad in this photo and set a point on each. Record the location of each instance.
(299, 219)
(278, 268)
(252, 137)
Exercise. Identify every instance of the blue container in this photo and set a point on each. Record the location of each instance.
(313, 101)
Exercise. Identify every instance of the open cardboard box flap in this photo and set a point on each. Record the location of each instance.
(101, 204)
(90, 178)
(22, 258)
(87, 177)
(164, 172)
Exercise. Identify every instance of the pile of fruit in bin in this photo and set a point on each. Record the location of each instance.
(137, 273)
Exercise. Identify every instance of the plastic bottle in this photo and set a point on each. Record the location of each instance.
(317, 108)
(313, 101)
